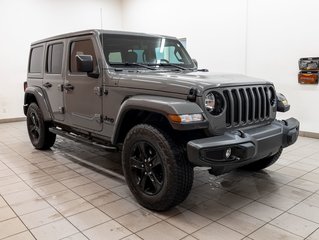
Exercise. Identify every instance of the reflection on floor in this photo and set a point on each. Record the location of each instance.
(78, 192)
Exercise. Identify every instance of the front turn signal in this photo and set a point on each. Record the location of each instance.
(186, 118)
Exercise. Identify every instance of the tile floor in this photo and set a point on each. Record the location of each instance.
(57, 195)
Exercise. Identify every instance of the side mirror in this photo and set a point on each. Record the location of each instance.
(195, 62)
(84, 63)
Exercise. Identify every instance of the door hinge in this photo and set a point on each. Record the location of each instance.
(98, 118)
(98, 91)
(61, 110)
(60, 87)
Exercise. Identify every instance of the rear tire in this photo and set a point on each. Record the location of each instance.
(155, 168)
(263, 163)
(39, 134)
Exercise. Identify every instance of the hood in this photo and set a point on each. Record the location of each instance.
(182, 82)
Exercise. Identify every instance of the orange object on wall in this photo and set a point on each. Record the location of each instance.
(308, 78)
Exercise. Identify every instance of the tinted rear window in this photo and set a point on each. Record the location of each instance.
(36, 60)
(54, 58)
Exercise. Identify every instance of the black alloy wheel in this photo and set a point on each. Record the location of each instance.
(156, 168)
(147, 168)
(38, 130)
(34, 127)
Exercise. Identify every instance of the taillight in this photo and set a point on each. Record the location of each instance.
(25, 85)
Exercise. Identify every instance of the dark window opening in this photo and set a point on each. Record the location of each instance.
(54, 58)
(82, 47)
(36, 60)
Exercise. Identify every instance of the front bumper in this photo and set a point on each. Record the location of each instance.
(246, 146)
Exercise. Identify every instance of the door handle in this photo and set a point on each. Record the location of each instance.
(68, 87)
(47, 85)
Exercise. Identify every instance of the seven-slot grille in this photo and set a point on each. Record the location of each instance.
(248, 105)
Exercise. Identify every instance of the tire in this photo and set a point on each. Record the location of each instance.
(39, 134)
(263, 163)
(165, 177)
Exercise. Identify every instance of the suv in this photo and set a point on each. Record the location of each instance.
(143, 95)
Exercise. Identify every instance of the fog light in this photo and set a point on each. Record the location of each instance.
(228, 152)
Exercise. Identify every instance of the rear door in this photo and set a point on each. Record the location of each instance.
(83, 101)
(54, 78)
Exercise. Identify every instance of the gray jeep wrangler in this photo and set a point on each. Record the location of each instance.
(143, 95)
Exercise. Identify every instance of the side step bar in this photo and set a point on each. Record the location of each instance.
(83, 140)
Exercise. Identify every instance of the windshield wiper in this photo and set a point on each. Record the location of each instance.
(202, 70)
(171, 65)
(135, 64)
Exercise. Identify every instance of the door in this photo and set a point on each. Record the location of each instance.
(54, 78)
(83, 101)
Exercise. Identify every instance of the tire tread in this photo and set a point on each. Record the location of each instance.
(183, 170)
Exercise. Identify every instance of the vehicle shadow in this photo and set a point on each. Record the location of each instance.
(206, 186)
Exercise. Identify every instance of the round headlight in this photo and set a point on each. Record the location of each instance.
(214, 103)
(210, 102)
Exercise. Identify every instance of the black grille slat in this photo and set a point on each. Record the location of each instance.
(251, 105)
(231, 102)
(267, 101)
(257, 105)
(236, 107)
(263, 102)
(239, 107)
(254, 104)
(228, 109)
(247, 105)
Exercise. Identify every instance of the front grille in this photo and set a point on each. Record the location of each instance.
(248, 105)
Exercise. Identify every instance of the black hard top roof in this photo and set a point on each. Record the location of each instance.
(97, 32)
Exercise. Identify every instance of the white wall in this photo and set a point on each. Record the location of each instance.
(263, 38)
(215, 30)
(25, 21)
(279, 33)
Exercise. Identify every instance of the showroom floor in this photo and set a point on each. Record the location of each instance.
(78, 192)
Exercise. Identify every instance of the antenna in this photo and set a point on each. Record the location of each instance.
(101, 16)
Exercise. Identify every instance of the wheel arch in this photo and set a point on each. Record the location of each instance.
(152, 110)
(36, 94)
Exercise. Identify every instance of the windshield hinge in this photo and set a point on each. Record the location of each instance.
(192, 94)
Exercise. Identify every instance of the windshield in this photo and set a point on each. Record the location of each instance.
(135, 51)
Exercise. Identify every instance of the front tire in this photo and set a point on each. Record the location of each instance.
(155, 168)
(263, 163)
(39, 134)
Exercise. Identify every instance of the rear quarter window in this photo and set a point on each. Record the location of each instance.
(36, 60)
(54, 58)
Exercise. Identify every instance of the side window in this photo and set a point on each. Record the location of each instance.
(81, 47)
(54, 58)
(36, 60)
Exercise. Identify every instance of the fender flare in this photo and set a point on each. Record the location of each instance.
(41, 99)
(161, 105)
